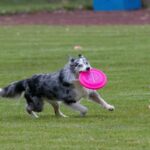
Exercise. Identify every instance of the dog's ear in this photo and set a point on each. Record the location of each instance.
(71, 59)
(80, 55)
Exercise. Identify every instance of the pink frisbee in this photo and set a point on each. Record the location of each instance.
(93, 79)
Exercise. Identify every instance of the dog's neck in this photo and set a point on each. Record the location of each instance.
(67, 76)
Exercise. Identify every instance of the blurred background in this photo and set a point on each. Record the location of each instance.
(16, 6)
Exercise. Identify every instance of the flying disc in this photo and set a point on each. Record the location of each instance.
(93, 79)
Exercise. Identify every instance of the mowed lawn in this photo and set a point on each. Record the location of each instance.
(122, 52)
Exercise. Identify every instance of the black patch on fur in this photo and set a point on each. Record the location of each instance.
(68, 102)
(80, 55)
(34, 103)
(20, 86)
(14, 89)
(61, 79)
(67, 91)
(33, 85)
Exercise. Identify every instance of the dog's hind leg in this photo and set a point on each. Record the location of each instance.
(30, 111)
(56, 107)
(34, 114)
(34, 104)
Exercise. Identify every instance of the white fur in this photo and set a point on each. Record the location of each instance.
(56, 106)
(1, 90)
(78, 107)
(69, 75)
(84, 64)
(84, 92)
(34, 114)
(98, 99)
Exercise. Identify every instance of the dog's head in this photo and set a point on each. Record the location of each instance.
(80, 64)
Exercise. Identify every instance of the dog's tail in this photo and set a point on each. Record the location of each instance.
(13, 90)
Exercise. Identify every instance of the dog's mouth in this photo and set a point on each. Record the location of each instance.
(86, 70)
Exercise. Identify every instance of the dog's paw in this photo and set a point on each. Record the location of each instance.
(60, 114)
(34, 115)
(84, 112)
(110, 107)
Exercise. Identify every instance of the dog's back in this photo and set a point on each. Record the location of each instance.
(51, 86)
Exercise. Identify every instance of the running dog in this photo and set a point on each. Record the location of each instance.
(62, 86)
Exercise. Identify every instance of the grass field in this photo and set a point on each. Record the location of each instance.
(30, 6)
(122, 52)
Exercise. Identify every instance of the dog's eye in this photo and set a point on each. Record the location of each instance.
(80, 65)
(76, 64)
(86, 63)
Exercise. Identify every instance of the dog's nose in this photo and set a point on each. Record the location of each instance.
(88, 68)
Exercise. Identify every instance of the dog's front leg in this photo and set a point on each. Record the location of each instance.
(57, 111)
(94, 96)
(78, 107)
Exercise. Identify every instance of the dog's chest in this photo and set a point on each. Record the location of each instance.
(81, 92)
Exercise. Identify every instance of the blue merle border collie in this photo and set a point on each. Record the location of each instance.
(62, 86)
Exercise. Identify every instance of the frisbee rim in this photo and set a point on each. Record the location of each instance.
(93, 86)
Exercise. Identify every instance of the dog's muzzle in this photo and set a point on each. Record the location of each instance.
(88, 68)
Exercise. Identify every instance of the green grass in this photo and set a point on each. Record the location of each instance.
(122, 52)
(30, 6)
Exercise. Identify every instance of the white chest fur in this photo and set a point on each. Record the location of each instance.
(81, 91)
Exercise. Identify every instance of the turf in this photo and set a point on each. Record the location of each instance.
(122, 52)
(31, 6)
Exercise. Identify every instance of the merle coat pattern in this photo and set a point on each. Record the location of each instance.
(62, 86)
